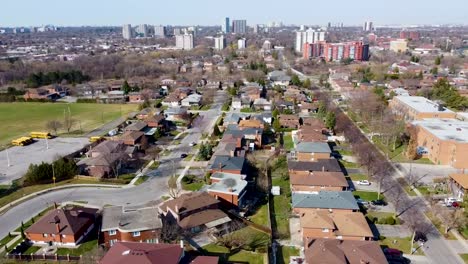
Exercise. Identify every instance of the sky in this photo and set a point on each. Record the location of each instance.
(212, 12)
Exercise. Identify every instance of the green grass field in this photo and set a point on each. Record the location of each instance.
(19, 119)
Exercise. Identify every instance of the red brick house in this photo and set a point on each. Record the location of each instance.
(129, 224)
(63, 226)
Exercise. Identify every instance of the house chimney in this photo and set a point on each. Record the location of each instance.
(177, 209)
(57, 226)
(181, 244)
(323, 168)
(220, 166)
(55, 205)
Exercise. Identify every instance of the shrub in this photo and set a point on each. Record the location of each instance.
(86, 100)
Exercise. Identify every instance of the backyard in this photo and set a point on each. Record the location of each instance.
(281, 203)
(19, 119)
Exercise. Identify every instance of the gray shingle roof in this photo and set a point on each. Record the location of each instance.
(325, 200)
(129, 220)
(313, 147)
(319, 165)
(228, 163)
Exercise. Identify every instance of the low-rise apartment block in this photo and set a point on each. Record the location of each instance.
(418, 107)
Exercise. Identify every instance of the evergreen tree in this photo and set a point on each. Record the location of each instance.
(216, 131)
(276, 125)
(126, 87)
(322, 110)
(438, 60)
(306, 83)
(330, 121)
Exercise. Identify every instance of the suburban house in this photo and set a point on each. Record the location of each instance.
(343, 252)
(239, 103)
(262, 104)
(129, 224)
(228, 188)
(105, 159)
(135, 138)
(145, 253)
(231, 145)
(205, 260)
(284, 105)
(305, 181)
(250, 123)
(236, 165)
(194, 211)
(63, 226)
(308, 107)
(144, 113)
(176, 114)
(319, 165)
(324, 200)
(309, 134)
(418, 107)
(40, 93)
(289, 121)
(192, 100)
(335, 225)
(171, 100)
(252, 136)
(136, 126)
(135, 97)
(158, 121)
(279, 78)
(312, 151)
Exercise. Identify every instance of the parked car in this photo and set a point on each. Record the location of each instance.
(379, 202)
(183, 156)
(362, 202)
(420, 237)
(454, 204)
(364, 182)
(450, 200)
(392, 252)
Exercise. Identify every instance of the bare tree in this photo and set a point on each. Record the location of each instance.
(449, 218)
(173, 187)
(208, 96)
(68, 122)
(53, 125)
(154, 152)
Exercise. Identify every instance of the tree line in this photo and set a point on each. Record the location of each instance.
(35, 80)
(61, 169)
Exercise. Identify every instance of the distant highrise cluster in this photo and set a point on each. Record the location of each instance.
(127, 31)
(220, 42)
(368, 26)
(184, 41)
(239, 26)
(355, 50)
(308, 36)
(142, 30)
(226, 25)
(160, 31)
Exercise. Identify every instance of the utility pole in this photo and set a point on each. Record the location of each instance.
(47, 143)
(8, 158)
(53, 173)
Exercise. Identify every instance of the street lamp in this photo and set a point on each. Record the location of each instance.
(8, 157)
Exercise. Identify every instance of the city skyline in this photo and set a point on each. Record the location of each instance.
(116, 13)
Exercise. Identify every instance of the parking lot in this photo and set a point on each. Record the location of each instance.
(35, 153)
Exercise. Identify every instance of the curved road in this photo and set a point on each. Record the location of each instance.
(150, 190)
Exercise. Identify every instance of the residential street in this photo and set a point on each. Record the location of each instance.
(150, 190)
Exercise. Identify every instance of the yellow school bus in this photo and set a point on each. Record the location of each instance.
(94, 139)
(22, 141)
(40, 135)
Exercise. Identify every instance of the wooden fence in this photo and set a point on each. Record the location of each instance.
(34, 257)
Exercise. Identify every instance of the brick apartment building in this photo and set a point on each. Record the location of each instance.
(418, 107)
(355, 50)
(443, 141)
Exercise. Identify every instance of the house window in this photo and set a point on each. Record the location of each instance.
(64, 236)
(136, 234)
(45, 235)
(112, 232)
(325, 230)
(112, 242)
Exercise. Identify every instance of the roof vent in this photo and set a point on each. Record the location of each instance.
(459, 129)
(126, 252)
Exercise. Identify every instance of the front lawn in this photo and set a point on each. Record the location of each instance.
(383, 218)
(126, 178)
(284, 253)
(192, 183)
(367, 196)
(240, 256)
(358, 177)
(261, 215)
(464, 257)
(288, 143)
(31, 250)
(141, 180)
(90, 244)
(402, 244)
(189, 157)
(349, 165)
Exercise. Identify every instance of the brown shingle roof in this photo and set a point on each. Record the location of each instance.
(143, 253)
(189, 202)
(69, 220)
(201, 218)
(318, 178)
(461, 179)
(132, 135)
(334, 251)
(344, 223)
